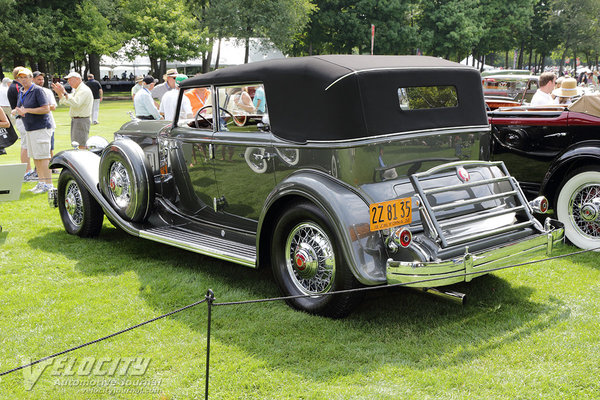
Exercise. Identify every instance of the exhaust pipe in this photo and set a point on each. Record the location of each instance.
(450, 295)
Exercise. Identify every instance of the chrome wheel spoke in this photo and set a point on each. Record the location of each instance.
(310, 259)
(74, 203)
(584, 206)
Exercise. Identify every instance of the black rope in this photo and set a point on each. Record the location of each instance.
(379, 287)
(103, 338)
(210, 299)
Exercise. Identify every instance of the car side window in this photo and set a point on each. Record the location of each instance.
(242, 108)
(199, 101)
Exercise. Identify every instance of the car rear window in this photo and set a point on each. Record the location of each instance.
(427, 97)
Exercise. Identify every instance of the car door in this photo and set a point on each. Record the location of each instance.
(243, 156)
(189, 151)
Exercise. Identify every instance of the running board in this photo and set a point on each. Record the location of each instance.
(204, 244)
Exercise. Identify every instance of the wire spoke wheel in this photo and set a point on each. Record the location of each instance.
(585, 210)
(578, 207)
(310, 261)
(80, 213)
(74, 203)
(307, 260)
(120, 185)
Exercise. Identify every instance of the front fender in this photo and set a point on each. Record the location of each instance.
(582, 154)
(348, 211)
(85, 165)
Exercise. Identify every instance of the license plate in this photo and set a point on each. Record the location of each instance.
(388, 214)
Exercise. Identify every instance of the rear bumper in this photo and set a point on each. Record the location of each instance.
(444, 272)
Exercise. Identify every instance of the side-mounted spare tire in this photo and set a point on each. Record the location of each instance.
(126, 180)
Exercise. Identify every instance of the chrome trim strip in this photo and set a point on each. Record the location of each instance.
(409, 134)
(247, 261)
(356, 72)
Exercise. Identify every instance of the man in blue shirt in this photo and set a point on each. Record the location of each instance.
(143, 102)
(33, 108)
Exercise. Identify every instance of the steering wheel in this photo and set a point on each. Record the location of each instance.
(238, 120)
(199, 115)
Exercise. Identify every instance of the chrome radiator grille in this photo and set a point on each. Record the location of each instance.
(462, 202)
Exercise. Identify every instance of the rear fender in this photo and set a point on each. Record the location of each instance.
(345, 207)
(85, 165)
(579, 155)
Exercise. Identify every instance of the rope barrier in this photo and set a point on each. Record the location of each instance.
(209, 299)
(103, 338)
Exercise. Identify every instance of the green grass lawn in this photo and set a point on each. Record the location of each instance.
(526, 333)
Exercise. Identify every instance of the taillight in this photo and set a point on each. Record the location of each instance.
(539, 205)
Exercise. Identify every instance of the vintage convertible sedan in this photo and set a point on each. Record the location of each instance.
(335, 171)
(555, 150)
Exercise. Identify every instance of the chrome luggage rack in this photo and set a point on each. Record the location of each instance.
(437, 224)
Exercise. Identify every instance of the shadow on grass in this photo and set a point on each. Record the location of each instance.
(390, 327)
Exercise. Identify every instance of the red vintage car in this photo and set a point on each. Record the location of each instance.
(555, 150)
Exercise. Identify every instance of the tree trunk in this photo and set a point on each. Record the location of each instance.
(530, 56)
(520, 62)
(247, 52)
(94, 65)
(163, 69)
(575, 64)
(506, 60)
(153, 67)
(207, 58)
(218, 54)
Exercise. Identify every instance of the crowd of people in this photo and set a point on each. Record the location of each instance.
(27, 106)
(562, 90)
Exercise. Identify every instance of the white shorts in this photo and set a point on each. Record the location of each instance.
(38, 143)
(23, 133)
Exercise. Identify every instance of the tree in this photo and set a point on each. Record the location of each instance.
(163, 30)
(450, 28)
(278, 21)
(343, 26)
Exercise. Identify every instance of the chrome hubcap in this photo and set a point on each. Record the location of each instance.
(310, 261)
(585, 210)
(74, 203)
(120, 184)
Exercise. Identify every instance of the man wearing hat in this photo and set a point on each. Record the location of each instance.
(168, 105)
(169, 83)
(33, 108)
(138, 85)
(143, 103)
(81, 101)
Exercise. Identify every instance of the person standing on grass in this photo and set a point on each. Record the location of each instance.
(80, 102)
(97, 92)
(38, 79)
(143, 103)
(33, 108)
(13, 96)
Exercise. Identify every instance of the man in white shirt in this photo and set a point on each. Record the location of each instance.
(543, 96)
(143, 103)
(168, 105)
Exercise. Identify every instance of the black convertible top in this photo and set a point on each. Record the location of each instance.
(340, 97)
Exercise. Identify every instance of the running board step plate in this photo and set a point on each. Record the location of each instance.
(202, 243)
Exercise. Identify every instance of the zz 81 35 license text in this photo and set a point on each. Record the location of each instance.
(388, 214)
